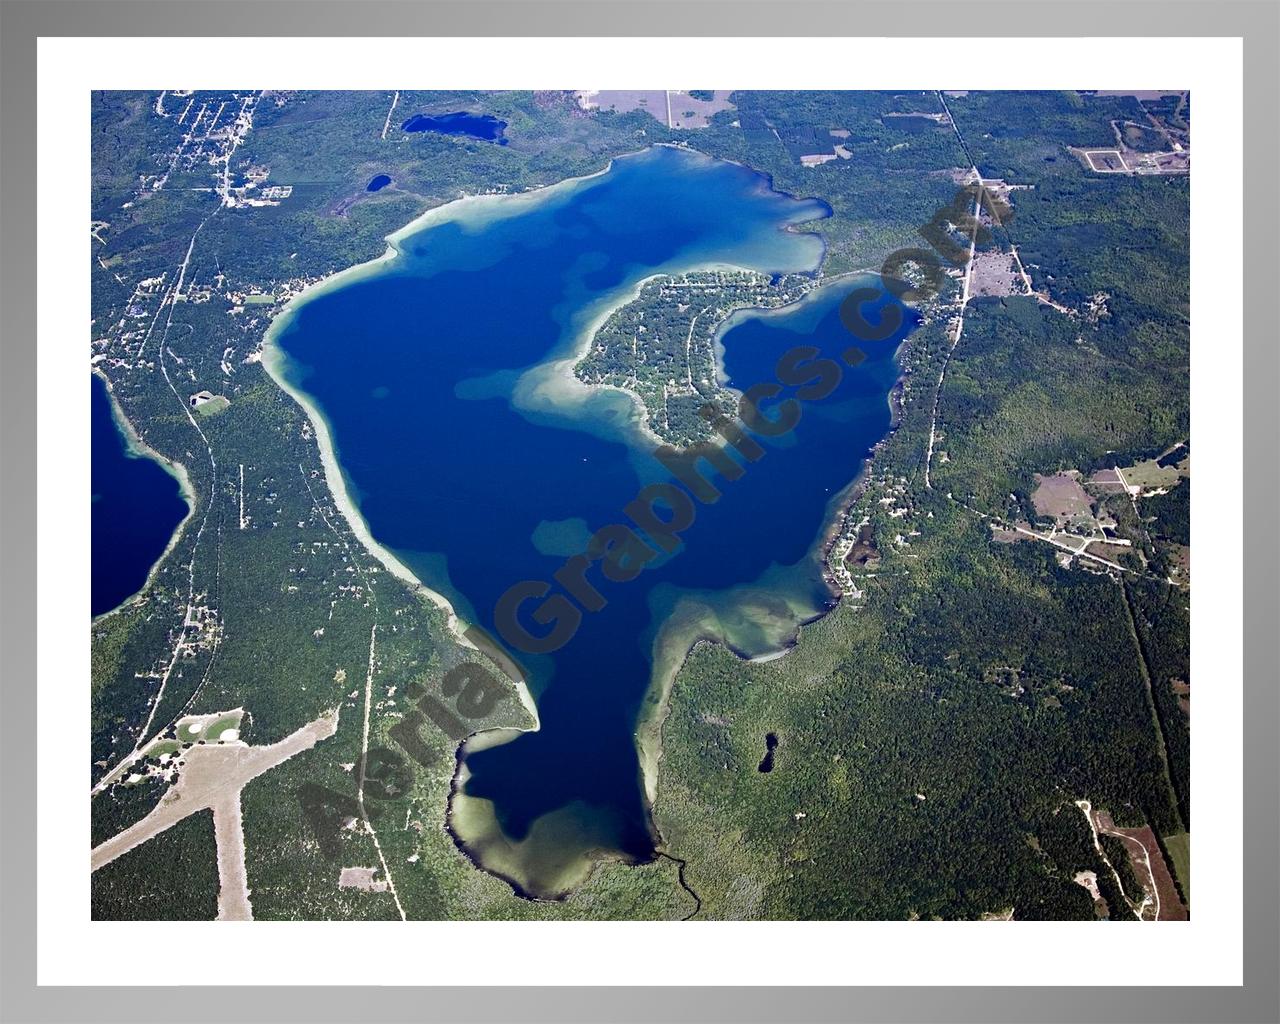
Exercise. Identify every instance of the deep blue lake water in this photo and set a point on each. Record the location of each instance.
(377, 182)
(137, 504)
(462, 449)
(477, 126)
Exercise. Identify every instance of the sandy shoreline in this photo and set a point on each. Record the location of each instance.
(552, 384)
(535, 387)
(656, 703)
(177, 470)
(556, 381)
(274, 361)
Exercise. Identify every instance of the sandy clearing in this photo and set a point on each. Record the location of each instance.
(212, 776)
(994, 274)
(361, 878)
(233, 881)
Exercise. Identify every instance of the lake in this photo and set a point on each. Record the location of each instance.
(477, 126)
(480, 462)
(137, 505)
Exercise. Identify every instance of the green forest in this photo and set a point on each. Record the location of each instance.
(932, 733)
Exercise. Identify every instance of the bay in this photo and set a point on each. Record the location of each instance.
(444, 377)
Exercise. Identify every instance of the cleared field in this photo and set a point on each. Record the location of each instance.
(1132, 161)
(674, 107)
(1111, 552)
(1107, 480)
(691, 112)
(1149, 865)
(1061, 497)
(220, 727)
(1179, 847)
(623, 100)
(213, 406)
(1105, 161)
(1150, 474)
(993, 274)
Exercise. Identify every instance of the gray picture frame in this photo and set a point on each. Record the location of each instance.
(22, 23)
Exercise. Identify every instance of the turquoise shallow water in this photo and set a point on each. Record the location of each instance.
(427, 370)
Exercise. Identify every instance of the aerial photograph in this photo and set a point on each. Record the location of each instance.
(640, 505)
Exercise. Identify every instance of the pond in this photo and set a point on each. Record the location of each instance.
(477, 126)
